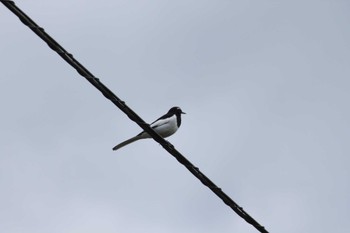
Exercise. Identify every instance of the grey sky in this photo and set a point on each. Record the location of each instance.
(265, 85)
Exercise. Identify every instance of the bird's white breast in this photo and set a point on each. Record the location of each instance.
(165, 127)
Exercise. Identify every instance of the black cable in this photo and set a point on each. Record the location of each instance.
(129, 112)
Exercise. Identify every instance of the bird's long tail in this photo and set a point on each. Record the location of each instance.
(133, 139)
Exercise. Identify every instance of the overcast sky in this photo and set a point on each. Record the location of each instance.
(265, 85)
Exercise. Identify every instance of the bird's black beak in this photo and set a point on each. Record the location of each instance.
(183, 113)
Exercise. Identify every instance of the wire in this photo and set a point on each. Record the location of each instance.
(129, 112)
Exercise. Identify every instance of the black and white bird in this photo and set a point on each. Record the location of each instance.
(165, 126)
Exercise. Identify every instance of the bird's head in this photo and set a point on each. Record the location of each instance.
(176, 110)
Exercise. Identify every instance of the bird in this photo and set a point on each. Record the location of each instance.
(165, 126)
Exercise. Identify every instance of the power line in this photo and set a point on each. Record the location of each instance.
(129, 112)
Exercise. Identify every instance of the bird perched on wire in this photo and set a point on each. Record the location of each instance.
(165, 126)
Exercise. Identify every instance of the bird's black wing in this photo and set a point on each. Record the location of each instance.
(162, 118)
